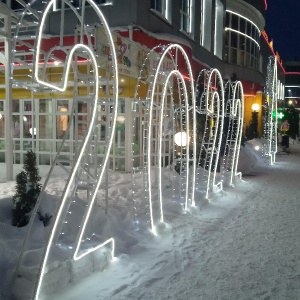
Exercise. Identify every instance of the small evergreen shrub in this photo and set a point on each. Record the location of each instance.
(28, 189)
(19, 217)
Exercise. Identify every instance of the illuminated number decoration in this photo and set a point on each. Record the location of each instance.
(210, 97)
(85, 174)
(234, 114)
(270, 107)
(171, 108)
(164, 116)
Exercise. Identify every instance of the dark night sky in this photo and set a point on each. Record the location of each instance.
(283, 26)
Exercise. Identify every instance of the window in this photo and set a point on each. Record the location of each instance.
(163, 7)
(219, 27)
(206, 24)
(186, 12)
(241, 41)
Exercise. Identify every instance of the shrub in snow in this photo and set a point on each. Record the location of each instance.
(32, 173)
(28, 189)
(19, 217)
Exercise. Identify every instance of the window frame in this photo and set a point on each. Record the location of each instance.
(246, 31)
(187, 13)
(165, 11)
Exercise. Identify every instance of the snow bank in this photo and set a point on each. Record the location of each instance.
(132, 235)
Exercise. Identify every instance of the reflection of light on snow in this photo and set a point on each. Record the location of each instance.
(34, 130)
(256, 148)
(181, 139)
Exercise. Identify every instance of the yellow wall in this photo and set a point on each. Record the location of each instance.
(249, 101)
(127, 85)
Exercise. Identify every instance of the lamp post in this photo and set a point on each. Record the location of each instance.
(252, 131)
(255, 108)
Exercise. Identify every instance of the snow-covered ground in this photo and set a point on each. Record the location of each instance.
(241, 244)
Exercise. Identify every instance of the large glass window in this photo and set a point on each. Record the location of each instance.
(62, 118)
(45, 119)
(218, 45)
(241, 41)
(187, 16)
(206, 24)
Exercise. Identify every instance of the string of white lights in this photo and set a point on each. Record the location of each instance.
(80, 162)
(166, 53)
(234, 113)
(212, 106)
(270, 106)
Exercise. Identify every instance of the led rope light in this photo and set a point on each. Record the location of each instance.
(234, 111)
(202, 77)
(247, 36)
(76, 255)
(167, 4)
(144, 170)
(270, 124)
(166, 51)
(238, 111)
(178, 74)
(241, 16)
(210, 100)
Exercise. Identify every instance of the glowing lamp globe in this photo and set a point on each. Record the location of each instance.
(32, 131)
(255, 107)
(181, 139)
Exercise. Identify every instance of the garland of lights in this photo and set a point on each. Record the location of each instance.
(143, 170)
(270, 106)
(185, 96)
(79, 169)
(154, 102)
(210, 89)
(234, 112)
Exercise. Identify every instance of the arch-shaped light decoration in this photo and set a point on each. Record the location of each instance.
(141, 99)
(79, 171)
(210, 92)
(186, 146)
(177, 49)
(234, 113)
(161, 78)
(270, 119)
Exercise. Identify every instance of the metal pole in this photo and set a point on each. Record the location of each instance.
(128, 135)
(8, 102)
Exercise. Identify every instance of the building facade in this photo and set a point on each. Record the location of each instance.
(222, 34)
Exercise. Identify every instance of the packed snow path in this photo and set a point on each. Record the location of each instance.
(244, 244)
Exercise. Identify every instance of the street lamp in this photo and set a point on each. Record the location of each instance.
(181, 139)
(255, 107)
